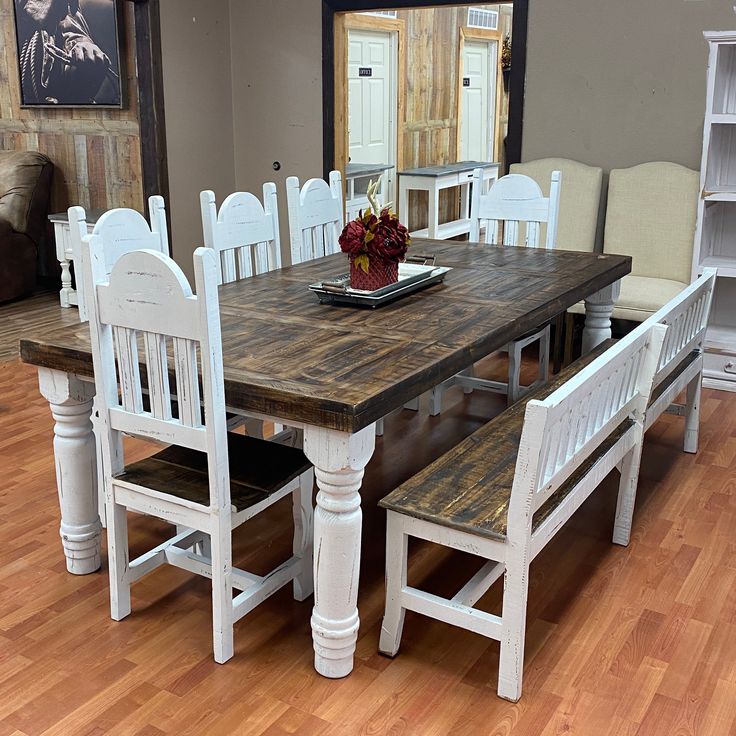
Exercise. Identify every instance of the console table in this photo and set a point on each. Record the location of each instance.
(432, 179)
(354, 203)
(65, 254)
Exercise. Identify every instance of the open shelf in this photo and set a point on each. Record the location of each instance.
(717, 246)
(445, 230)
(723, 119)
(720, 172)
(724, 93)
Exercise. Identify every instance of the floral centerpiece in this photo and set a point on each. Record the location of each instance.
(375, 244)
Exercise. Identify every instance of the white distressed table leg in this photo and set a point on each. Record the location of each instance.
(71, 401)
(598, 310)
(339, 460)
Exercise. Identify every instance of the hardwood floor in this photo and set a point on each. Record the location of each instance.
(620, 642)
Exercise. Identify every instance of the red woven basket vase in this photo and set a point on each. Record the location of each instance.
(380, 274)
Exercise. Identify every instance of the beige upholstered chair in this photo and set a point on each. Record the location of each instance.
(578, 217)
(579, 198)
(651, 217)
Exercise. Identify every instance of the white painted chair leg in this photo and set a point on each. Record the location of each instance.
(303, 536)
(629, 468)
(412, 405)
(222, 590)
(397, 546)
(544, 341)
(692, 414)
(514, 349)
(435, 400)
(511, 663)
(118, 559)
(470, 372)
(379, 427)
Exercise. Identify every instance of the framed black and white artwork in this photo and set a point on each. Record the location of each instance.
(68, 53)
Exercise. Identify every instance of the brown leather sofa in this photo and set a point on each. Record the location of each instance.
(25, 186)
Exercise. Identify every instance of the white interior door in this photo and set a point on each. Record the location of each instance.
(478, 100)
(372, 100)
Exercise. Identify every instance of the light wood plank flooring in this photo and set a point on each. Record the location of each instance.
(620, 641)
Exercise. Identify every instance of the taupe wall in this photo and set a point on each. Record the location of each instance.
(621, 82)
(199, 113)
(277, 93)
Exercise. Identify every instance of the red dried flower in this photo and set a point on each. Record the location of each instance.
(383, 237)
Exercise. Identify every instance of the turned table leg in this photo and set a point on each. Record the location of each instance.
(598, 310)
(339, 460)
(71, 402)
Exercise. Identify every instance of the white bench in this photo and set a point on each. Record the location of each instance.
(506, 490)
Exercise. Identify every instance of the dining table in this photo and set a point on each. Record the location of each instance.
(333, 371)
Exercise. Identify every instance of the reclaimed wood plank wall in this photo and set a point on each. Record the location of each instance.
(431, 105)
(96, 152)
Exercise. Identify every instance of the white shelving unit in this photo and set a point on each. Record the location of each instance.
(715, 237)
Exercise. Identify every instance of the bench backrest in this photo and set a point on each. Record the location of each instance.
(144, 314)
(245, 233)
(316, 217)
(120, 230)
(512, 201)
(564, 429)
(687, 318)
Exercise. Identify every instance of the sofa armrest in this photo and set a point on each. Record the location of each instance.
(25, 185)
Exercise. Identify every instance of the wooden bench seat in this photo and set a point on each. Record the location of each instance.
(258, 468)
(469, 487)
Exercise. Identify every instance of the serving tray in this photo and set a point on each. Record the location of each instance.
(412, 277)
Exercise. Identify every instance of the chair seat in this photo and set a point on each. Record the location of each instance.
(641, 297)
(469, 487)
(258, 468)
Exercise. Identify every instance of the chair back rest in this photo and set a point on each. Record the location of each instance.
(513, 200)
(121, 231)
(687, 319)
(651, 216)
(580, 199)
(315, 217)
(245, 233)
(561, 431)
(143, 314)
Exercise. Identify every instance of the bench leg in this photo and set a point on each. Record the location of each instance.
(470, 372)
(511, 664)
(692, 414)
(379, 428)
(629, 468)
(303, 535)
(397, 548)
(435, 400)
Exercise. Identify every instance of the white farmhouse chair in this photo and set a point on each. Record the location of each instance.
(208, 481)
(121, 230)
(245, 236)
(651, 216)
(512, 201)
(244, 233)
(477, 498)
(316, 217)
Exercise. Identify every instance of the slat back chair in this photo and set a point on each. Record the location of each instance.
(511, 213)
(244, 233)
(568, 443)
(121, 231)
(144, 314)
(316, 217)
(513, 210)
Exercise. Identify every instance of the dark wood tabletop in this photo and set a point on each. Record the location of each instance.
(286, 355)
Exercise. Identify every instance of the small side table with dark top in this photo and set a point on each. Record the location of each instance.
(432, 179)
(65, 253)
(354, 202)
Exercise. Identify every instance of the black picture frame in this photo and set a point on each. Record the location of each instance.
(46, 37)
